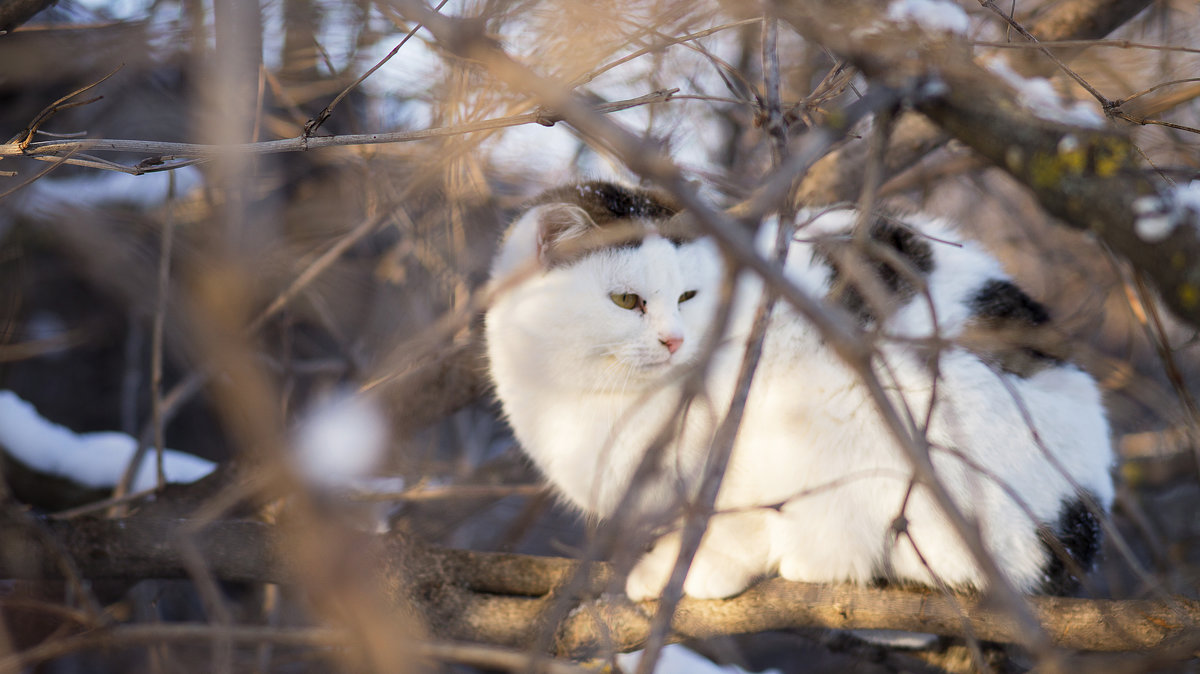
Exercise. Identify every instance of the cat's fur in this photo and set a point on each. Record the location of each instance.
(815, 482)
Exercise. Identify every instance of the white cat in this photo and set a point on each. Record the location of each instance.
(603, 307)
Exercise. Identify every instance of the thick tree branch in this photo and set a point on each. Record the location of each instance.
(500, 598)
(1078, 20)
(1087, 177)
(16, 12)
(838, 176)
(488, 657)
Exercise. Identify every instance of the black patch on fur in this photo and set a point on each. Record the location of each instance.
(1004, 329)
(1071, 546)
(911, 249)
(607, 202)
(1003, 301)
(622, 217)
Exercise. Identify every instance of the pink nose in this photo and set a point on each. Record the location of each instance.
(672, 343)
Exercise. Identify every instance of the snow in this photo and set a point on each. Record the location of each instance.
(677, 659)
(91, 459)
(1038, 95)
(109, 187)
(123, 10)
(341, 440)
(931, 15)
(896, 638)
(1159, 215)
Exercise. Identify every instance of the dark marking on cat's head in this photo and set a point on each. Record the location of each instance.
(883, 271)
(582, 218)
(607, 202)
(1072, 545)
(1002, 301)
(1007, 330)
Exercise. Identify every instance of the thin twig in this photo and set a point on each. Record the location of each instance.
(1115, 42)
(1156, 334)
(58, 161)
(156, 340)
(311, 126)
(775, 125)
(23, 139)
(1016, 25)
(1160, 85)
(156, 364)
(1157, 122)
(163, 152)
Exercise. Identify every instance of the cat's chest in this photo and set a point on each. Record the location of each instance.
(591, 445)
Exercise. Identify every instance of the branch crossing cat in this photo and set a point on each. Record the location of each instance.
(605, 300)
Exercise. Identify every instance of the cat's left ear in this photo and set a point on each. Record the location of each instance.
(558, 227)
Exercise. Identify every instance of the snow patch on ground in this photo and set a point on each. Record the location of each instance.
(677, 659)
(94, 460)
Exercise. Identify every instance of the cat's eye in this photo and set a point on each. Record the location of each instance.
(627, 300)
(687, 296)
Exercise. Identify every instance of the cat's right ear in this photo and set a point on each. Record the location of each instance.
(559, 226)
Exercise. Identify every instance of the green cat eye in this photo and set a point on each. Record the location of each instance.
(687, 296)
(626, 300)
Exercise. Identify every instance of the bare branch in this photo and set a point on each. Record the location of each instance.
(1087, 177)
(16, 12)
(838, 177)
(311, 126)
(166, 156)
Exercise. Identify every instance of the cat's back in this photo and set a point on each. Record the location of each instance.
(1017, 433)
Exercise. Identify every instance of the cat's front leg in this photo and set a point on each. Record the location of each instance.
(733, 553)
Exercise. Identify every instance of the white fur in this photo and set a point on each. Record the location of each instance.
(587, 386)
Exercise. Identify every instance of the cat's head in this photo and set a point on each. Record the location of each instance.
(613, 291)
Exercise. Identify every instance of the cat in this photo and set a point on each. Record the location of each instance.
(604, 303)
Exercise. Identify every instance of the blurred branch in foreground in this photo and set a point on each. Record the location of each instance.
(16, 12)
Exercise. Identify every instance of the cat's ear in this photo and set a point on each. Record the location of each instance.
(558, 225)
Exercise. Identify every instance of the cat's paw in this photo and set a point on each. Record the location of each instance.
(713, 575)
(649, 576)
(817, 568)
(717, 578)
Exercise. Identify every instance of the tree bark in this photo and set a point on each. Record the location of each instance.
(1089, 178)
(839, 175)
(16, 12)
(500, 598)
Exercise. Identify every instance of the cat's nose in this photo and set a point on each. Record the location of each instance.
(672, 342)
